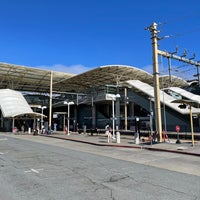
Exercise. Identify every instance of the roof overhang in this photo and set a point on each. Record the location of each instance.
(28, 115)
(23, 78)
(185, 101)
(13, 104)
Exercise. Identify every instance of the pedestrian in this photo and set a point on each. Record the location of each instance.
(66, 130)
(155, 136)
(108, 133)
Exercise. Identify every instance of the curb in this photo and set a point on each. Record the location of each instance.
(125, 146)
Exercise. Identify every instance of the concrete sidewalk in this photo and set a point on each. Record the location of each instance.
(127, 141)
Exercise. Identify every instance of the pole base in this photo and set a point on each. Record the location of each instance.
(178, 141)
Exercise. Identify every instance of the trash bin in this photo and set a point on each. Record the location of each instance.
(136, 138)
(118, 136)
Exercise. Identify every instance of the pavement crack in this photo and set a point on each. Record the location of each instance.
(116, 178)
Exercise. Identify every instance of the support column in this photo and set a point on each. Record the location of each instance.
(13, 124)
(64, 125)
(132, 112)
(75, 118)
(94, 116)
(50, 100)
(2, 119)
(117, 114)
(117, 108)
(191, 125)
(125, 109)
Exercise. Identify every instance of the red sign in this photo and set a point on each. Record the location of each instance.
(178, 128)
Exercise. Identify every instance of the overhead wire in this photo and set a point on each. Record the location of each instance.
(174, 36)
(180, 19)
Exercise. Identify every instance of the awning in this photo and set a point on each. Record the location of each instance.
(23, 78)
(13, 104)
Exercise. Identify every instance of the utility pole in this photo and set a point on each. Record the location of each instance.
(154, 31)
(168, 55)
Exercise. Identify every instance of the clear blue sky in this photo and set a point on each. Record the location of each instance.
(78, 35)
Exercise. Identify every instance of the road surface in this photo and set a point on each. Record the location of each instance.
(38, 168)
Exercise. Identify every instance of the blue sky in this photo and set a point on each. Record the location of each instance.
(77, 35)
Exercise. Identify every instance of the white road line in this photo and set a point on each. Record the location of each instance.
(2, 139)
(33, 170)
(1, 153)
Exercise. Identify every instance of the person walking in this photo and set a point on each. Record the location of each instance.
(108, 133)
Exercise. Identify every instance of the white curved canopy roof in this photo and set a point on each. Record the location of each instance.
(164, 97)
(23, 78)
(13, 104)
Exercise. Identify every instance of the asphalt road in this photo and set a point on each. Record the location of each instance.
(37, 168)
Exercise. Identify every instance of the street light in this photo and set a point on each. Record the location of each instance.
(68, 113)
(42, 109)
(113, 97)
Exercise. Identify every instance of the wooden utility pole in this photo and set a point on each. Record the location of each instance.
(156, 52)
(158, 120)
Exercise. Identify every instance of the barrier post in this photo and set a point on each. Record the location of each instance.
(164, 136)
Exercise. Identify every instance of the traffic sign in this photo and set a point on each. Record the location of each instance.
(177, 128)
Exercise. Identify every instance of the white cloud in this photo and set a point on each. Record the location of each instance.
(73, 69)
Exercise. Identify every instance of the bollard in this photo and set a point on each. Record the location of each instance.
(137, 141)
(164, 136)
(118, 136)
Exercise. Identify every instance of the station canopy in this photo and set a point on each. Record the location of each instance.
(13, 104)
(23, 78)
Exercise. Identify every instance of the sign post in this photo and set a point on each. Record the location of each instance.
(178, 130)
(190, 103)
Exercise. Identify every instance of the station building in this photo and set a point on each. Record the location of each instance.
(33, 98)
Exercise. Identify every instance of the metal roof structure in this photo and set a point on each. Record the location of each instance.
(23, 78)
(30, 79)
(116, 75)
(172, 81)
(105, 75)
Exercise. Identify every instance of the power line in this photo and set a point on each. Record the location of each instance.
(179, 19)
(185, 33)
